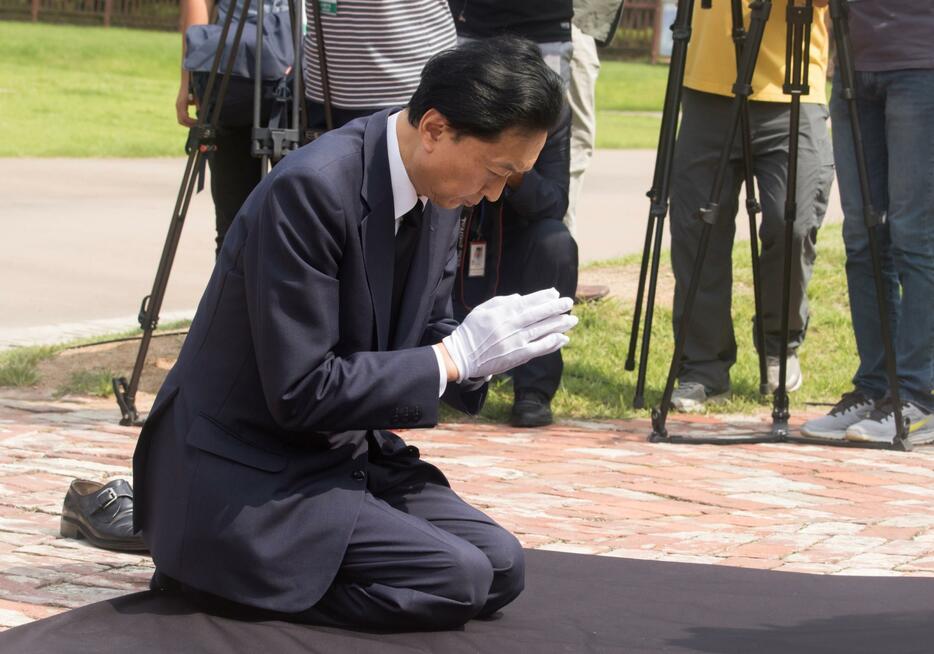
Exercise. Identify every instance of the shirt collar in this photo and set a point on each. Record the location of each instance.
(404, 195)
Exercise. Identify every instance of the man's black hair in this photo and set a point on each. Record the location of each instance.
(487, 86)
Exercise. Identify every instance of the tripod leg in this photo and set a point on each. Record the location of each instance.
(797, 58)
(741, 90)
(639, 397)
(295, 18)
(839, 14)
(658, 195)
(258, 86)
(640, 292)
(752, 209)
(752, 204)
(203, 134)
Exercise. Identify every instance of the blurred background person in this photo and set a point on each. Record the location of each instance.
(234, 170)
(594, 23)
(519, 243)
(710, 72)
(894, 82)
(374, 52)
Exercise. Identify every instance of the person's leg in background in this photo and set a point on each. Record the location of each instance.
(537, 255)
(812, 193)
(909, 133)
(869, 380)
(540, 255)
(234, 170)
(870, 377)
(585, 66)
(234, 174)
(904, 100)
(710, 348)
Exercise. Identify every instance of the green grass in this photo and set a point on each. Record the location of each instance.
(623, 131)
(631, 86)
(18, 366)
(95, 382)
(623, 90)
(69, 91)
(595, 384)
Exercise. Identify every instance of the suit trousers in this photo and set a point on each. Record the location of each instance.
(419, 558)
(710, 349)
(539, 255)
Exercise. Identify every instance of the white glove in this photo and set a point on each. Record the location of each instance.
(508, 330)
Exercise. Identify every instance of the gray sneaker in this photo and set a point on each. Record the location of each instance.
(851, 408)
(793, 376)
(879, 427)
(692, 396)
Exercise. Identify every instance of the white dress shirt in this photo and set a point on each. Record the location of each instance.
(404, 197)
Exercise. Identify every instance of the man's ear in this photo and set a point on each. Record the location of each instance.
(431, 129)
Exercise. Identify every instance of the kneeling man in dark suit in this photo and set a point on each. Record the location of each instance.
(265, 475)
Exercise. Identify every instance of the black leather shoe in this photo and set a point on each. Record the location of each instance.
(102, 514)
(531, 409)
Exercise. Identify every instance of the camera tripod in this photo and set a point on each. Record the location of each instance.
(269, 143)
(660, 191)
(799, 19)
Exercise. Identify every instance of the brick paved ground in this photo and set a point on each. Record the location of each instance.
(594, 488)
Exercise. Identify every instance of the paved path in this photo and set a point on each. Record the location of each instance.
(591, 488)
(82, 237)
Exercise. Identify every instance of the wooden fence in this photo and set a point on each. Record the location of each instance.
(638, 33)
(145, 14)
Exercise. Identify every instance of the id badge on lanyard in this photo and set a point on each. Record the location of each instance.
(476, 263)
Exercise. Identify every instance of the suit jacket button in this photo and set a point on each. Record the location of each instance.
(358, 475)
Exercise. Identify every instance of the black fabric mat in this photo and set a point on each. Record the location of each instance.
(572, 603)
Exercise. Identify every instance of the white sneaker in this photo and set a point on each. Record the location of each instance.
(793, 376)
(692, 396)
(852, 408)
(879, 427)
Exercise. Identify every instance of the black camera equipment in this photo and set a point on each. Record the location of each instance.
(742, 89)
(798, 19)
(269, 143)
(659, 194)
(272, 142)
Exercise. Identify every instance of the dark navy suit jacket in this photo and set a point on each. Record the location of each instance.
(251, 468)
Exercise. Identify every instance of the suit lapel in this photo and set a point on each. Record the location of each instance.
(377, 227)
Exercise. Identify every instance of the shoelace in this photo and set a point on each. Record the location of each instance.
(884, 409)
(847, 402)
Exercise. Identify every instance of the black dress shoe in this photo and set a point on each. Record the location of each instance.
(102, 514)
(531, 409)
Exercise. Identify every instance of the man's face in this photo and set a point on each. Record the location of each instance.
(463, 170)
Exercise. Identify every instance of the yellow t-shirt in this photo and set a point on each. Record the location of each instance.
(711, 60)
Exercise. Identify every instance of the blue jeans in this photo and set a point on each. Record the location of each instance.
(896, 113)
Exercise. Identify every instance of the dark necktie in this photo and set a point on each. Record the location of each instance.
(406, 240)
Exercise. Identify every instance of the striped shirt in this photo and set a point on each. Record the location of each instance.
(375, 49)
